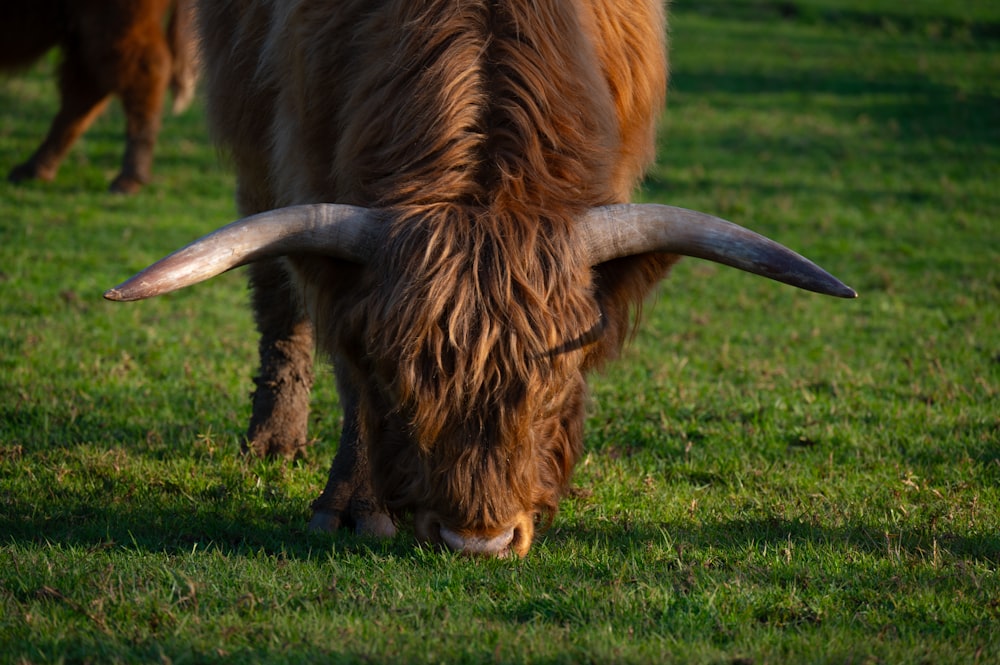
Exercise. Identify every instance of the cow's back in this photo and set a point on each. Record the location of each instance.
(397, 102)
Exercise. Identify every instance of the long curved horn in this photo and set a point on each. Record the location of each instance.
(342, 231)
(617, 231)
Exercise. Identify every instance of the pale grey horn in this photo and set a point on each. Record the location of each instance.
(617, 231)
(341, 231)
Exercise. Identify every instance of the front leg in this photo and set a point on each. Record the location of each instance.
(81, 99)
(348, 500)
(280, 419)
(142, 77)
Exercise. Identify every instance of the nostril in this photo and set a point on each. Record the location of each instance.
(428, 528)
(452, 539)
(516, 539)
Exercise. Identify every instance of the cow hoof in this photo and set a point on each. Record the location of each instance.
(29, 171)
(324, 522)
(125, 185)
(274, 447)
(379, 525)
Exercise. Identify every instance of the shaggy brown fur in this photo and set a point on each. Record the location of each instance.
(109, 47)
(480, 129)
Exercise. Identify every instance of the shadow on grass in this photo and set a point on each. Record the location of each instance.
(728, 536)
(40, 429)
(148, 511)
(671, 592)
(166, 517)
(789, 553)
(169, 518)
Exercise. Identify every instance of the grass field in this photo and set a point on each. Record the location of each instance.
(771, 476)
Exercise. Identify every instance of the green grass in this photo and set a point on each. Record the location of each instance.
(771, 476)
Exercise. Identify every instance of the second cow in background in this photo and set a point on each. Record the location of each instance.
(133, 49)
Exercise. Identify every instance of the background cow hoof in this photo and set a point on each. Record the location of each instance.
(125, 185)
(30, 171)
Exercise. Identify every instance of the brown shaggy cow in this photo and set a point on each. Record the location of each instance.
(475, 266)
(126, 48)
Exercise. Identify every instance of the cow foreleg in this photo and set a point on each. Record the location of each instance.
(82, 98)
(280, 418)
(347, 500)
(141, 128)
(142, 78)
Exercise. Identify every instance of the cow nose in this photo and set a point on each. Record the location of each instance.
(513, 540)
(498, 546)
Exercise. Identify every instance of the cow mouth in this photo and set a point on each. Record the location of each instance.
(513, 540)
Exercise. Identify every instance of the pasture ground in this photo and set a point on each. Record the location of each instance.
(771, 476)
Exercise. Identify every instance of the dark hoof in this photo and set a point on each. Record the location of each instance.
(379, 525)
(125, 185)
(29, 171)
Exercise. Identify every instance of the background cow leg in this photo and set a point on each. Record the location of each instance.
(82, 98)
(143, 77)
(279, 423)
(347, 500)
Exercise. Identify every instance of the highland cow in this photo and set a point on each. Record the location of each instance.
(441, 190)
(128, 48)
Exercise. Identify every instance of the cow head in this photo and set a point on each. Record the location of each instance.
(466, 350)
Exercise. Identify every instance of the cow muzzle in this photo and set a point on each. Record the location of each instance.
(512, 540)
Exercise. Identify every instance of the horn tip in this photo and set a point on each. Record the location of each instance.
(118, 294)
(845, 292)
(114, 294)
(826, 284)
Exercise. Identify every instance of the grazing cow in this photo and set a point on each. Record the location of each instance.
(440, 187)
(109, 47)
